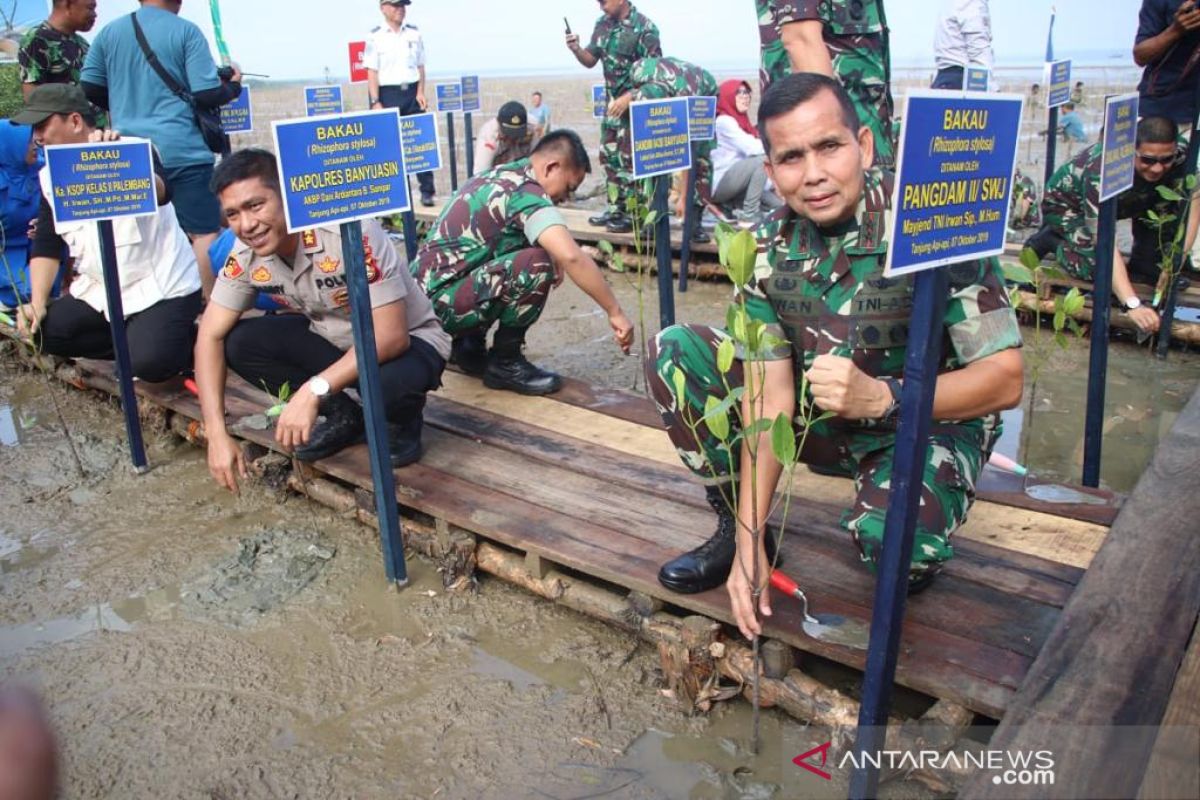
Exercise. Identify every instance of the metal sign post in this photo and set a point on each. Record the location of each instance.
(449, 100)
(100, 183)
(472, 101)
(937, 221)
(1058, 92)
(1116, 176)
(376, 185)
(660, 141)
(702, 127)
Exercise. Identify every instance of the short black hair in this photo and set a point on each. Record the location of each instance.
(253, 162)
(1157, 130)
(537, 94)
(567, 144)
(88, 117)
(789, 92)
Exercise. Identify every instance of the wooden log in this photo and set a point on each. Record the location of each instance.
(643, 604)
(689, 665)
(1187, 332)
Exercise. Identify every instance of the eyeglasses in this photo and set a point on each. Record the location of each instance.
(1150, 161)
(743, 92)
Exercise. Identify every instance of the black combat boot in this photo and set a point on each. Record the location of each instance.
(707, 567)
(469, 352)
(339, 425)
(601, 220)
(404, 440)
(508, 369)
(619, 223)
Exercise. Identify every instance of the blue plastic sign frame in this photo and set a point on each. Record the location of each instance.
(659, 136)
(238, 116)
(472, 97)
(977, 79)
(322, 101)
(599, 101)
(422, 146)
(1118, 145)
(954, 177)
(702, 113)
(449, 97)
(101, 181)
(1058, 83)
(340, 168)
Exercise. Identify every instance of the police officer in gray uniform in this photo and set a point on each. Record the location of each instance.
(395, 62)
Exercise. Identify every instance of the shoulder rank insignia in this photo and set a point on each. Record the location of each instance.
(373, 273)
(341, 298)
(233, 268)
(328, 265)
(261, 275)
(311, 242)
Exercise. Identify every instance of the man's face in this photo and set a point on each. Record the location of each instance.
(612, 8)
(254, 212)
(559, 181)
(536, 100)
(394, 14)
(817, 162)
(61, 129)
(81, 14)
(1154, 160)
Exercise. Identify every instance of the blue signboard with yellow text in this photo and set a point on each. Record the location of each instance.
(977, 79)
(471, 97)
(341, 169)
(1120, 144)
(703, 114)
(954, 175)
(321, 100)
(599, 101)
(103, 181)
(236, 116)
(449, 97)
(419, 134)
(1058, 83)
(660, 136)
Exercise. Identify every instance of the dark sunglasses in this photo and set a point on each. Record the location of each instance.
(1150, 161)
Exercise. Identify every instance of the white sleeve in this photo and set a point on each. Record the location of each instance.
(420, 50)
(976, 25)
(371, 54)
(732, 137)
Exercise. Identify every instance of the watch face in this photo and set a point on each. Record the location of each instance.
(319, 386)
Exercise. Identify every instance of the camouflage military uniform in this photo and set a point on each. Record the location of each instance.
(1025, 190)
(619, 44)
(660, 78)
(49, 56)
(480, 262)
(826, 294)
(856, 35)
(1071, 210)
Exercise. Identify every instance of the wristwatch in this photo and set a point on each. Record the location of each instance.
(318, 386)
(894, 386)
(372, 101)
(1132, 303)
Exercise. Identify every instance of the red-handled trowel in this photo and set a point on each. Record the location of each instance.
(829, 628)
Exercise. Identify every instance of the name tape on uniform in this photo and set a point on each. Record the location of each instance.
(978, 79)
(422, 150)
(236, 117)
(659, 136)
(1058, 83)
(340, 169)
(472, 99)
(322, 100)
(449, 97)
(103, 181)
(599, 101)
(1120, 144)
(954, 177)
(702, 113)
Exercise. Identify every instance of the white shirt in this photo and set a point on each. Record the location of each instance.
(396, 55)
(963, 36)
(733, 145)
(154, 258)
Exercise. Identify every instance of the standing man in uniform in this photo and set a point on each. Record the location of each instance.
(621, 37)
(495, 251)
(395, 62)
(963, 38)
(54, 52)
(844, 39)
(836, 329)
(310, 352)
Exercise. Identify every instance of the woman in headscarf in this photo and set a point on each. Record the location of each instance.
(20, 195)
(738, 173)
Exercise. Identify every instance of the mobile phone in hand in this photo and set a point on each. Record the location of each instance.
(568, 24)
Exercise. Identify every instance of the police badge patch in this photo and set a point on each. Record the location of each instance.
(328, 265)
(233, 268)
(261, 275)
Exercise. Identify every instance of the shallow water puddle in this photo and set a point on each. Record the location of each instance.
(8, 428)
(16, 639)
(518, 663)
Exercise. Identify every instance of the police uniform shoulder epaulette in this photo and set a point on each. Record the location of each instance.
(376, 29)
(413, 27)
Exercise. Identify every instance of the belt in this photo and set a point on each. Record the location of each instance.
(404, 87)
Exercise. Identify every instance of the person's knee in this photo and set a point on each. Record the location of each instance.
(534, 261)
(160, 359)
(239, 342)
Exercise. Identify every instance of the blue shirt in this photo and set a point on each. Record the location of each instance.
(139, 102)
(1164, 89)
(1072, 125)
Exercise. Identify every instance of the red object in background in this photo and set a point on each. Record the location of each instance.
(191, 386)
(358, 73)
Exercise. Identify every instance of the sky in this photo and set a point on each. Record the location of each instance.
(297, 39)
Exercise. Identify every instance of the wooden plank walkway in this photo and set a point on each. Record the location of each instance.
(576, 482)
(1110, 670)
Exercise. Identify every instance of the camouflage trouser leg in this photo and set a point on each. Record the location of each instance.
(512, 289)
(614, 155)
(955, 458)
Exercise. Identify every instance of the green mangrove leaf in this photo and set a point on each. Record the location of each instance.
(679, 379)
(725, 353)
(743, 253)
(1029, 258)
(716, 418)
(783, 440)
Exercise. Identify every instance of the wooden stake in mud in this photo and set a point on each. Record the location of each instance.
(662, 244)
(120, 339)
(453, 151)
(690, 222)
(1116, 176)
(930, 239)
(469, 144)
(409, 221)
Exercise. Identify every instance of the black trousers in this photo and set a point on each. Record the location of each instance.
(161, 338)
(949, 78)
(406, 101)
(1144, 263)
(277, 349)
